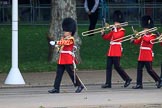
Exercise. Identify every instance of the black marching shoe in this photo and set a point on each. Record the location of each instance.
(127, 83)
(106, 86)
(79, 89)
(158, 84)
(53, 91)
(137, 87)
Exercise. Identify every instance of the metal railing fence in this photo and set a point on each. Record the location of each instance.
(41, 14)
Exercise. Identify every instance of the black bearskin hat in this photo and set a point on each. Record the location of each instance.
(69, 25)
(147, 22)
(118, 16)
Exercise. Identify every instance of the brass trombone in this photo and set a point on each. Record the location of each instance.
(156, 40)
(139, 34)
(107, 27)
(136, 34)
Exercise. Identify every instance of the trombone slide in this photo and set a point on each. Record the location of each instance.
(98, 30)
(125, 38)
(136, 34)
(156, 40)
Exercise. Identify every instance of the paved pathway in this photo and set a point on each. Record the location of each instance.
(34, 94)
(88, 77)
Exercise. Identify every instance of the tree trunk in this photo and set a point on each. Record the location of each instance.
(60, 10)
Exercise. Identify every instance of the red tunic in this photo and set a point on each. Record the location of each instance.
(115, 48)
(146, 53)
(66, 48)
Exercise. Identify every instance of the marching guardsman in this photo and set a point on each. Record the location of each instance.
(115, 50)
(66, 59)
(145, 54)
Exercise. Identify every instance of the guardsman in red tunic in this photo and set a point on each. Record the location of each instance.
(146, 54)
(115, 51)
(66, 57)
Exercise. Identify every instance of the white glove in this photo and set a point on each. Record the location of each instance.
(52, 42)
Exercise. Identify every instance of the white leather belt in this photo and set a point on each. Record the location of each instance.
(71, 53)
(67, 52)
(145, 48)
(113, 43)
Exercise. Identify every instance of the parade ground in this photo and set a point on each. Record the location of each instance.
(34, 94)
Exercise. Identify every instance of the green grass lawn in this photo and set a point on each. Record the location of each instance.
(33, 50)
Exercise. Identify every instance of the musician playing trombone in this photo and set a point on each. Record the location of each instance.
(115, 51)
(66, 59)
(146, 54)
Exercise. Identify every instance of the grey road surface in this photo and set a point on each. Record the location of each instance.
(94, 97)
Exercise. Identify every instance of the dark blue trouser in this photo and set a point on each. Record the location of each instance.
(116, 62)
(59, 73)
(149, 69)
(93, 20)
